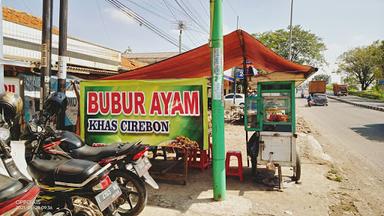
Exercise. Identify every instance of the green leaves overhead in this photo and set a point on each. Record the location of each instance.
(324, 77)
(307, 48)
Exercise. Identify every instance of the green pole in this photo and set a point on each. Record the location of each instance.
(218, 164)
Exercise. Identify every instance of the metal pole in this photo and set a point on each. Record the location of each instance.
(181, 31)
(234, 87)
(290, 33)
(237, 23)
(218, 149)
(62, 70)
(46, 51)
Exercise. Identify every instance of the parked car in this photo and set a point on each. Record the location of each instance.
(239, 100)
(319, 99)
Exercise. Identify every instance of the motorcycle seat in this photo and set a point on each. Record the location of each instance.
(9, 187)
(97, 154)
(65, 172)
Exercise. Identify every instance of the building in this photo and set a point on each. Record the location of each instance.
(149, 58)
(22, 44)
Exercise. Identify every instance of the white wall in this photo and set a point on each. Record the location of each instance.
(23, 33)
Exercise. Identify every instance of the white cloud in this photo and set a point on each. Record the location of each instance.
(119, 16)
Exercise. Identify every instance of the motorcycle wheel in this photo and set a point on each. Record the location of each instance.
(134, 197)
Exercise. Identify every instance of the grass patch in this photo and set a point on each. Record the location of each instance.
(372, 94)
(334, 175)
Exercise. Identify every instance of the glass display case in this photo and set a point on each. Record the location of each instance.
(251, 114)
(272, 109)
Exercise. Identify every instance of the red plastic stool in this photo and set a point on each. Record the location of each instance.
(199, 159)
(234, 171)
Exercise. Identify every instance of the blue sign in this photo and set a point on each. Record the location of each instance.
(239, 73)
(381, 82)
(229, 78)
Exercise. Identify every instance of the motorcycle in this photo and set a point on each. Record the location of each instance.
(129, 160)
(17, 193)
(67, 186)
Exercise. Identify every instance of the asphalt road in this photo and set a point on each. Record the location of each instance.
(357, 130)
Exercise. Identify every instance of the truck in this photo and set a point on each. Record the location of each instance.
(317, 94)
(340, 89)
(318, 86)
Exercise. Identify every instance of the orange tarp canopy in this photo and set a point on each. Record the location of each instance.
(196, 63)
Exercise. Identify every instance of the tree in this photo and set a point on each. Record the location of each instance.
(324, 77)
(307, 48)
(380, 59)
(363, 63)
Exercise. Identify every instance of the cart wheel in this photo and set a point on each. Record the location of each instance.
(297, 170)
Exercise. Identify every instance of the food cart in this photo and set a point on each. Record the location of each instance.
(270, 114)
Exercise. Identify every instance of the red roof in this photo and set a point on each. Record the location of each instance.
(196, 63)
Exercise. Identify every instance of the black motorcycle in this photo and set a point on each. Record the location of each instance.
(129, 160)
(67, 186)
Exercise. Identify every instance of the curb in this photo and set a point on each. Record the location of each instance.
(357, 104)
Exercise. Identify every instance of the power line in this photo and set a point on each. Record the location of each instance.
(149, 10)
(106, 33)
(191, 17)
(174, 16)
(170, 10)
(142, 21)
(206, 12)
(27, 7)
(232, 8)
(193, 12)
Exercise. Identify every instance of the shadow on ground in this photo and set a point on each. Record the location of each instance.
(371, 131)
(199, 189)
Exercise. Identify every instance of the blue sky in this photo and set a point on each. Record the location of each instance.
(342, 24)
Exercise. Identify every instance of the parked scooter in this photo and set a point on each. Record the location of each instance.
(17, 193)
(67, 186)
(129, 160)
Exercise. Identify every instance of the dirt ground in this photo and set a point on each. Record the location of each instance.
(323, 189)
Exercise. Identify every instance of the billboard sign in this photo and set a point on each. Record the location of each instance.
(155, 111)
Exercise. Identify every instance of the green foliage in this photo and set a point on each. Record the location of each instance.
(324, 77)
(380, 59)
(372, 94)
(363, 64)
(307, 48)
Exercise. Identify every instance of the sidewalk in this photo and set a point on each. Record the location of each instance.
(359, 101)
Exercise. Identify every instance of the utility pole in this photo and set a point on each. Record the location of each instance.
(1, 49)
(62, 70)
(46, 45)
(290, 33)
(180, 27)
(218, 147)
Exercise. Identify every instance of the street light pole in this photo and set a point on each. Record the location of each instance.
(181, 27)
(217, 61)
(290, 33)
(46, 45)
(62, 70)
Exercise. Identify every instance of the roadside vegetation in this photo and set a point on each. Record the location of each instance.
(334, 175)
(364, 68)
(307, 48)
(373, 93)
